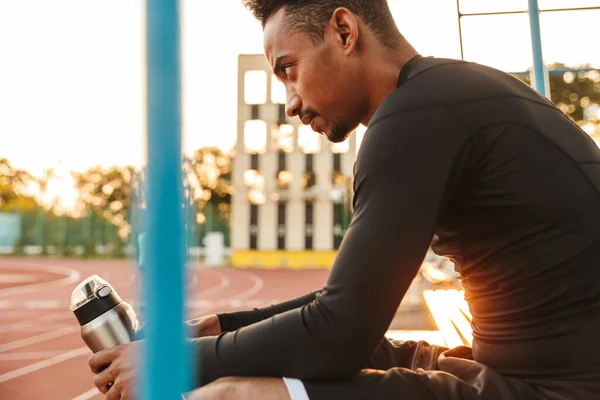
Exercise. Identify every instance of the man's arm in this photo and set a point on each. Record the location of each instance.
(401, 177)
(232, 321)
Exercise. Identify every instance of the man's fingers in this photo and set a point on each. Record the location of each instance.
(102, 359)
(103, 380)
(115, 392)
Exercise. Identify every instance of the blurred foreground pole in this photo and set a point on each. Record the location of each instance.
(539, 76)
(164, 364)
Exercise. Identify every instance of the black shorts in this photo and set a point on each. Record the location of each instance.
(416, 370)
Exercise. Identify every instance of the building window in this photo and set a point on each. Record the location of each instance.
(360, 134)
(278, 95)
(337, 162)
(253, 227)
(255, 136)
(309, 141)
(283, 138)
(308, 226)
(255, 87)
(281, 161)
(338, 209)
(254, 162)
(282, 115)
(284, 179)
(255, 186)
(308, 178)
(310, 162)
(281, 209)
(254, 111)
(342, 147)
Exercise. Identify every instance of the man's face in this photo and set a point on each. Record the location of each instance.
(322, 84)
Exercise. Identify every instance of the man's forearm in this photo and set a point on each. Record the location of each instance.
(232, 321)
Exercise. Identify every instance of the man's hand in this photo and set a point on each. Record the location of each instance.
(116, 371)
(205, 326)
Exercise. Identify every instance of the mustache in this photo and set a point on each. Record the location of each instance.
(309, 111)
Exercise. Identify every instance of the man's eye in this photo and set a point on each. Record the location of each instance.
(287, 69)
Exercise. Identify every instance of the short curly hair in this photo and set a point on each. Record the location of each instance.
(311, 16)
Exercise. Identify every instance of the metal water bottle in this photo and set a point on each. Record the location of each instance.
(105, 319)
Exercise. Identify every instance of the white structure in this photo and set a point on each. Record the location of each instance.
(291, 185)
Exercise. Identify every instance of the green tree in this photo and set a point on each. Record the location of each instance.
(209, 179)
(13, 183)
(573, 92)
(107, 193)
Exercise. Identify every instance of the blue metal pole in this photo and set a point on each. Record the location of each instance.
(164, 362)
(540, 76)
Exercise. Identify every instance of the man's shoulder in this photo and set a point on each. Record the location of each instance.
(438, 82)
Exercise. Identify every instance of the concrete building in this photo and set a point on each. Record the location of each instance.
(292, 187)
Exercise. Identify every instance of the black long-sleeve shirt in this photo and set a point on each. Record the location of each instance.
(511, 189)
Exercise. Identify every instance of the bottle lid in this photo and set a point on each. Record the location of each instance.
(91, 298)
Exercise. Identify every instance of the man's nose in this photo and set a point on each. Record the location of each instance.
(293, 106)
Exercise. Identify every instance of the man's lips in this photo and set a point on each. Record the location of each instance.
(315, 127)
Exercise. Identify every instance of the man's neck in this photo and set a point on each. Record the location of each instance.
(381, 78)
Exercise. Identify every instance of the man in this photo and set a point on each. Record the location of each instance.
(504, 183)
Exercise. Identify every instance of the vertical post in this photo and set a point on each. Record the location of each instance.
(63, 233)
(86, 232)
(39, 221)
(131, 220)
(86, 226)
(208, 214)
(460, 36)
(540, 75)
(165, 365)
(107, 229)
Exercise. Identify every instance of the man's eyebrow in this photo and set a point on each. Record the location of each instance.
(277, 64)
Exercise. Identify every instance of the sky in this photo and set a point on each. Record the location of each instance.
(72, 71)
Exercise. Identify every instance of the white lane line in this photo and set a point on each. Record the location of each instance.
(17, 278)
(33, 322)
(45, 327)
(218, 303)
(235, 300)
(44, 364)
(71, 277)
(38, 338)
(43, 304)
(16, 313)
(224, 284)
(257, 287)
(29, 356)
(194, 280)
(88, 395)
(32, 304)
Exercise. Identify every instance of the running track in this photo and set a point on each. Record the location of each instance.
(42, 355)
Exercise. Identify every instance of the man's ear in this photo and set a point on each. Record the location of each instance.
(345, 28)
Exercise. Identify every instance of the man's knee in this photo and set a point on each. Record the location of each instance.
(223, 388)
(234, 388)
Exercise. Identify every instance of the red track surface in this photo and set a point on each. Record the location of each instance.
(42, 355)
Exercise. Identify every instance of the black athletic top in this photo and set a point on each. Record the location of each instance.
(509, 186)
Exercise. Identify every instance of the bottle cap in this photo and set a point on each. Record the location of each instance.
(92, 298)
